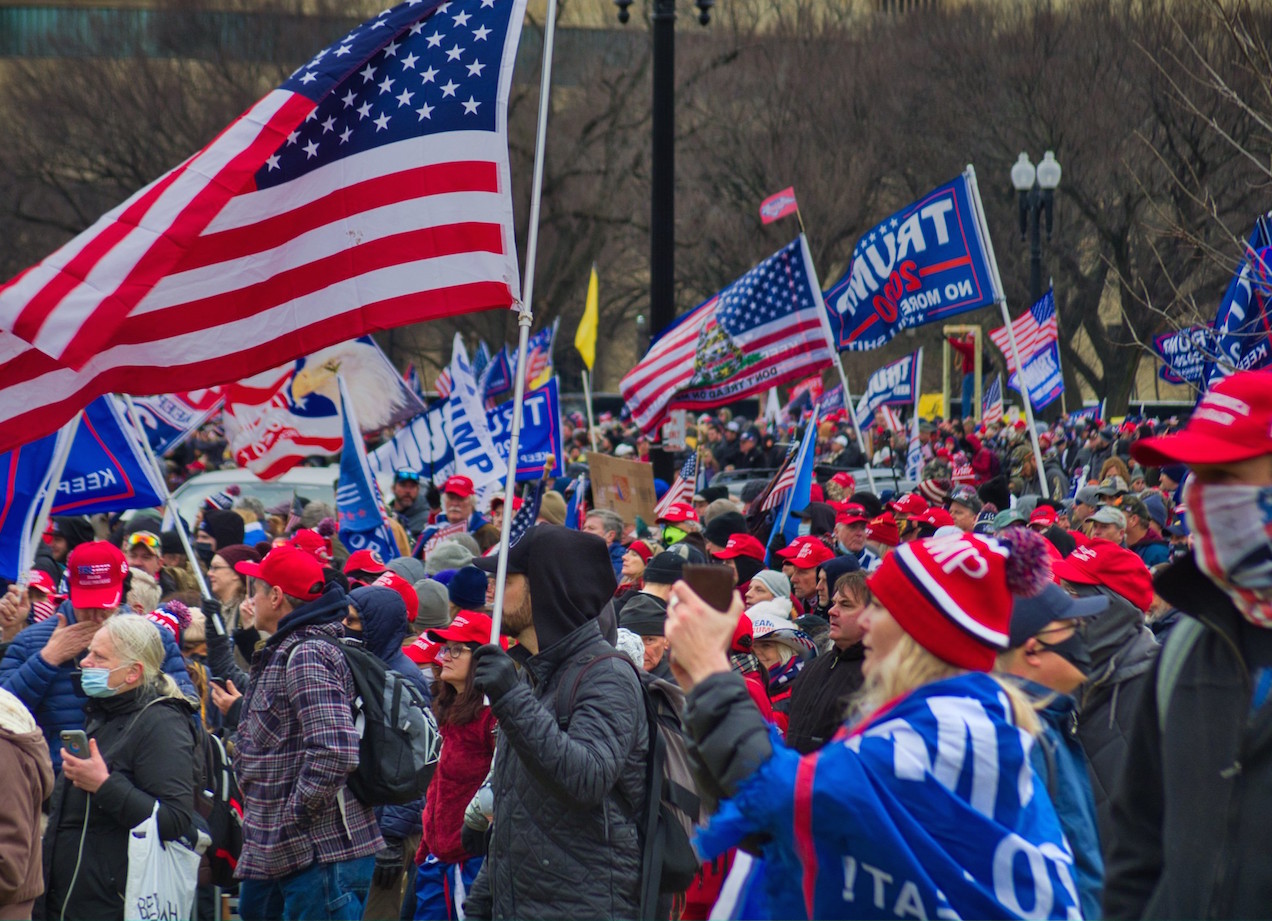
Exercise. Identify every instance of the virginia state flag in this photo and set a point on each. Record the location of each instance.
(358, 507)
(925, 263)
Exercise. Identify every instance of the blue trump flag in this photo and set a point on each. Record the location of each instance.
(1242, 327)
(925, 263)
(108, 469)
(25, 475)
(1184, 353)
(799, 495)
(358, 507)
(496, 377)
(892, 385)
(1042, 376)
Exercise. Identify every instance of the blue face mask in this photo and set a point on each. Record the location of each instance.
(805, 528)
(95, 681)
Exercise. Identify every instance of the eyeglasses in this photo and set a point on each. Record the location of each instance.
(144, 537)
(453, 651)
(217, 567)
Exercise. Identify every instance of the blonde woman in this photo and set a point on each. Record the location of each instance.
(925, 806)
(140, 750)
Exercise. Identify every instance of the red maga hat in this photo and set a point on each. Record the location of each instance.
(741, 545)
(1233, 422)
(1103, 562)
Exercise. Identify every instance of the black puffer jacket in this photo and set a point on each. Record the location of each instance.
(151, 759)
(565, 841)
(819, 700)
(1192, 818)
(1123, 651)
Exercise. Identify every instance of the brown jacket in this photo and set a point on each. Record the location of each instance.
(28, 781)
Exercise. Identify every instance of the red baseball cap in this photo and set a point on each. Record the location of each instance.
(467, 627)
(368, 560)
(851, 514)
(423, 651)
(805, 553)
(41, 581)
(741, 545)
(1103, 562)
(909, 504)
(390, 579)
(846, 481)
(314, 544)
(1233, 422)
(95, 572)
(460, 486)
(1044, 515)
(677, 512)
(935, 516)
(297, 572)
(884, 530)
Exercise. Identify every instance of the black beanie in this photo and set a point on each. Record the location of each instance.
(224, 527)
(723, 526)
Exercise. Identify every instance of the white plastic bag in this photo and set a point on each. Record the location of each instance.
(162, 876)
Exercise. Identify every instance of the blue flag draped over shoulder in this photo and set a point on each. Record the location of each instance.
(358, 507)
(930, 811)
(925, 263)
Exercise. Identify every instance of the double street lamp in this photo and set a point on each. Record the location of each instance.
(1035, 187)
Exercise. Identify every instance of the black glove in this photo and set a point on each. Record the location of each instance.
(211, 609)
(494, 673)
(388, 864)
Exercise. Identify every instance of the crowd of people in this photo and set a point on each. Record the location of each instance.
(1001, 692)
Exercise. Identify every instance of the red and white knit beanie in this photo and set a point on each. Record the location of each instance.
(954, 594)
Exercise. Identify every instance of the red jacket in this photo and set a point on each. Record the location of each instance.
(467, 750)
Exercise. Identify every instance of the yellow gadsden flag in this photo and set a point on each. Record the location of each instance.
(585, 337)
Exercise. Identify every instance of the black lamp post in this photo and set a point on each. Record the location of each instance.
(1035, 188)
(662, 204)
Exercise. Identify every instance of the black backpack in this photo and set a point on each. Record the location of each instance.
(219, 803)
(673, 806)
(400, 742)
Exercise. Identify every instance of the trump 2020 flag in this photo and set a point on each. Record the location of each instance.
(24, 478)
(275, 420)
(108, 469)
(1184, 353)
(171, 418)
(358, 506)
(892, 385)
(370, 190)
(925, 263)
(1243, 327)
(763, 330)
(778, 205)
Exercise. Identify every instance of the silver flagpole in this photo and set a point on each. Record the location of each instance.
(834, 350)
(61, 454)
(1011, 333)
(525, 316)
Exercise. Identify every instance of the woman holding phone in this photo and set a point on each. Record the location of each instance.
(925, 804)
(140, 751)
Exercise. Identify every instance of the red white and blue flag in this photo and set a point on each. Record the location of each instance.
(370, 190)
(682, 487)
(778, 205)
(1035, 329)
(992, 401)
(763, 330)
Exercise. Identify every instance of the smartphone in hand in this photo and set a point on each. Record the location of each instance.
(75, 741)
(712, 583)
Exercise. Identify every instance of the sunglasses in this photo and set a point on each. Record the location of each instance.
(145, 538)
(407, 476)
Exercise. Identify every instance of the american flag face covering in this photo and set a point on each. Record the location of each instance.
(1232, 542)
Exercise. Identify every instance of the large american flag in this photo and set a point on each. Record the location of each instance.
(992, 401)
(682, 488)
(1035, 329)
(765, 329)
(370, 190)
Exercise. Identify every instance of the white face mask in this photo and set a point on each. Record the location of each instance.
(1232, 542)
(805, 527)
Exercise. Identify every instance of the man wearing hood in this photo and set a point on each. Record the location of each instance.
(569, 771)
(309, 845)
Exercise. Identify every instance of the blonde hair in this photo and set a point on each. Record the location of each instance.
(909, 666)
(137, 640)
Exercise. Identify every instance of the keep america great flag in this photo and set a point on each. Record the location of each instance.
(370, 190)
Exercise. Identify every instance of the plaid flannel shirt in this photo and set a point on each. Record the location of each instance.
(297, 745)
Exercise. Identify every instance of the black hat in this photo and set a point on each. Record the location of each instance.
(1032, 613)
(644, 615)
(664, 568)
(723, 526)
(170, 542)
(711, 493)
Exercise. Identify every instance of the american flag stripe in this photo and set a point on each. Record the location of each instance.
(682, 487)
(992, 402)
(1035, 329)
(140, 240)
(785, 483)
(406, 226)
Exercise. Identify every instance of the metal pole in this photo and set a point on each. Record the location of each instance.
(834, 350)
(1035, 245)
(525, 315)
(1011, 333)
(662, 201)
(587, 396)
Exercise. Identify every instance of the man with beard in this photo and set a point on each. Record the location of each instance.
(1194, 806)
(569, 772)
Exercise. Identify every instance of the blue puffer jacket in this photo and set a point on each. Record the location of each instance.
(52, 693)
